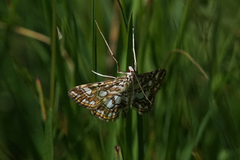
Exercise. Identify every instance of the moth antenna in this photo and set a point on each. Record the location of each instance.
(134, 54)
(109, 49)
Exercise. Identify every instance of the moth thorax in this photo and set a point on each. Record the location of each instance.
(130, 73)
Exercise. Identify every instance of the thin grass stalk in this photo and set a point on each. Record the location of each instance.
(123, 15)
(48, 126)
(101, 140)
(183, 24)
(94, 41)
(127, 148)
(140, 137)
(214, 56)
(129, 125)
(41, 98)
(94, 60)
(189, 57)
(48, 148)
(139, 117)
(53, 58)
(181, 31)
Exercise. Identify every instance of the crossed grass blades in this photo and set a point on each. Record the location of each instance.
(107, 99)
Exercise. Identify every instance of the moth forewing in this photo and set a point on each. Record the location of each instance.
(150, 83)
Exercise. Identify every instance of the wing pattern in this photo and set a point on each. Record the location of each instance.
(150, 83)
(106, 99)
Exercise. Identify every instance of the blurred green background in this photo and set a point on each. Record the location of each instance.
(194, 117)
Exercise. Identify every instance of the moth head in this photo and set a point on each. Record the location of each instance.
(130, 69)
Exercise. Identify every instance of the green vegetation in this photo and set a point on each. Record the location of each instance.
(196, 112)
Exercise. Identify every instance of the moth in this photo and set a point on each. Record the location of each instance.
(108, 98)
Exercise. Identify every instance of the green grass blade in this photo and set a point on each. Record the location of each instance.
(129, 124)
(94, 40)
(53, 58)
(123, 14)
(48, 149)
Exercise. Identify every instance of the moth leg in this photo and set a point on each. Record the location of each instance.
(102, 75)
